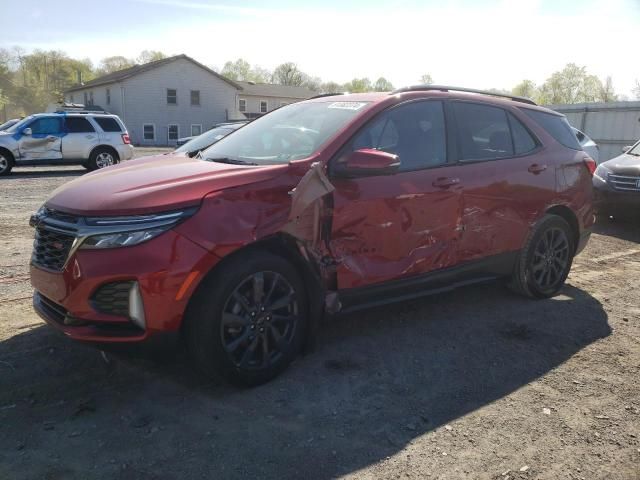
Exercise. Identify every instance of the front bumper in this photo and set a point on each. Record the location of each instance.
(167, 270)
(607, 198)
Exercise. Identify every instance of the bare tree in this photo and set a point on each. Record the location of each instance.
(288, 74)
(426, 79)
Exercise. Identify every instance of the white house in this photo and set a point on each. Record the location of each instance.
(175, 97)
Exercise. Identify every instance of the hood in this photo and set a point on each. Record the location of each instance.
(624, 164)
(153, 184)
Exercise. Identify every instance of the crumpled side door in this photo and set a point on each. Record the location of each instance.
(45, 141)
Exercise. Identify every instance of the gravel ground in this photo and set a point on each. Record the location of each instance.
(472, 384)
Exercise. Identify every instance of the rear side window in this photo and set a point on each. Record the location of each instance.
(523, 142)
(78, 125)
(483, 132)
(556, 126)
(108, 124)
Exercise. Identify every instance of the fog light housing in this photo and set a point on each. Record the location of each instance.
(136, 307)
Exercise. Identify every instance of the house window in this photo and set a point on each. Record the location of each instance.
(86, 98)
(172, 133)
(263, 106)
(172, 96)
(90, 98)
(149, 132)
(242, 105)
(196, 130)
(195, 97)
(108, 96)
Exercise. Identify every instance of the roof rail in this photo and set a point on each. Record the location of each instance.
(79, 108)
(322, 95)
(445, 88)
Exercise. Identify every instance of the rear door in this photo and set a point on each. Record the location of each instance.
(507, 181)
(45, 141)
(398, 225)
(80, 138)
(112, 131)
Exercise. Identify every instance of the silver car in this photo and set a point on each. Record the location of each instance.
(94, 140)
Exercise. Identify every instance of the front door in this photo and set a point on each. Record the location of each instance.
(45, 141)
(394, 226)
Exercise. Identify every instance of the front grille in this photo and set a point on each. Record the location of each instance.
(113, 298)
(625, 183)
(51, 249)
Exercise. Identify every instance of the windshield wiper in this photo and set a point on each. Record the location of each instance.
(231, 161)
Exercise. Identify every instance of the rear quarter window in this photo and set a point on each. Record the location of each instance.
(556, 126)
(108, 124)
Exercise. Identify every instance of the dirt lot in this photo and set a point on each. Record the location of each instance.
(476, 383)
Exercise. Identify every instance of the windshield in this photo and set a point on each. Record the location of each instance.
(20, 124)
(635, 150)
(8, 123)
(289, 133)
(206, 139)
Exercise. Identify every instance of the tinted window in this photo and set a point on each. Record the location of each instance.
(523, 142)
(556, 126)
(483, 132)
(415, 132)
(108, 124)
(46, 126)
(78, 125)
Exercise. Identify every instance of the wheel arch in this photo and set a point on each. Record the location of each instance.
(103, 146)
(5, 150)
(570, 217)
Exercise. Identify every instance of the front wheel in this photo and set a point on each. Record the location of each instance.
(6, 163)
(545, 261)
(247, 321)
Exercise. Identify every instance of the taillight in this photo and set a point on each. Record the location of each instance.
(126, 139)
(590, 163)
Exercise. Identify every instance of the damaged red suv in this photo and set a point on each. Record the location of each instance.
(332, 204)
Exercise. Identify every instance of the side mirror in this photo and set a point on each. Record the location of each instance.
(368, 162)
(27, 131)
(626, 148)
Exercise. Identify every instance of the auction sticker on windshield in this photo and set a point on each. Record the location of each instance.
(348, 105)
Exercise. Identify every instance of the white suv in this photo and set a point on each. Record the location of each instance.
(94, 140)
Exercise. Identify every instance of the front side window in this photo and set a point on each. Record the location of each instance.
(414, 131)
(172, 96)
(293, 132)
(195, 97)
(557, 126)
(242, 105)
(263, 106)
(483, 132)
(173, 132)
(635, 150)
(148, 132)
(78, 125)
(46, 126)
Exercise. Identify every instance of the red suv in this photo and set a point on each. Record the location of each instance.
(332, 204)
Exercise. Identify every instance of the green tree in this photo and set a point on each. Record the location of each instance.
(358, 85)
(606, 92)
(570, 85)
(426, 79)
(147, 56)
(382, 85)
(526, 88)
(114, 64)
(288, 74)
(238, 70)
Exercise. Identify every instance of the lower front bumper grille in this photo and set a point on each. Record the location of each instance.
(113, 298)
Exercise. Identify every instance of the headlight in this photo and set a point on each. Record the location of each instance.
(115, 232)
(601, 173)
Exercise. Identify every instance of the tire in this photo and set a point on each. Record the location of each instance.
(231, 320)
(6, 162)
(102, 157)
(540, 270)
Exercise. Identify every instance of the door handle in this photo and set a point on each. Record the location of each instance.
(445, 182)
(536, 168)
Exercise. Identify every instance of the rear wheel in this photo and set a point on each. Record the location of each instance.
(247, 321)
(102, 158)
(545, 261)
(6, 163)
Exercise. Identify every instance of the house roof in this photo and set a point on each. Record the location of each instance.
(272, 90)
(137, 69)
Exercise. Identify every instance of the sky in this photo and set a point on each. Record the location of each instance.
(471, 43)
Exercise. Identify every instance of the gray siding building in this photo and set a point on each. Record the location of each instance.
(176, 97)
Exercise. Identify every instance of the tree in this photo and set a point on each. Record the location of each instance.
(358, 85)
(147, 56)
(606, 92)
(382, 85)
(238, 70)
(331, 87)
(636, 90)
(526, 88)
(313, 83)
(570, 85)
(288, 74)
(426, 79)
(114, 64)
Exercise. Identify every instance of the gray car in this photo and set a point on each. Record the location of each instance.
(94, 140)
